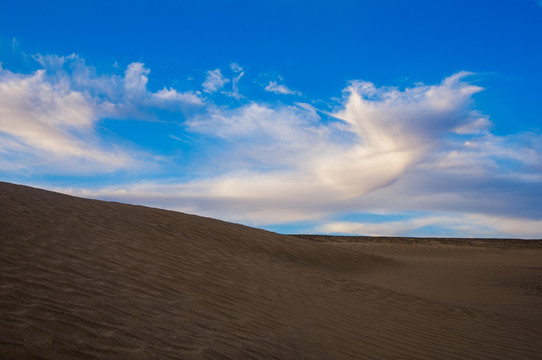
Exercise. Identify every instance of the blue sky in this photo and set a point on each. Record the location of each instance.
(417, 118)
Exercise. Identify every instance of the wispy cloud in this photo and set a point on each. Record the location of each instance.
(214, 81)
(238, 71)
(276, 88)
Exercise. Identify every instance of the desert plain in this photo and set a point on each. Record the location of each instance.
(88, 279)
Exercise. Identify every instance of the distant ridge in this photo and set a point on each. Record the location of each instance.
(491, 242)
(91, 279)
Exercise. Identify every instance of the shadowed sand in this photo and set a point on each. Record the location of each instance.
(90, 279)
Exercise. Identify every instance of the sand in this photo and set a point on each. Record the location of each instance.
(90, 279)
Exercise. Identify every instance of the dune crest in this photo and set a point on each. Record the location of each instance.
(91, 279)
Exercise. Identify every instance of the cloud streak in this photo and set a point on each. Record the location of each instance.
(444, 225)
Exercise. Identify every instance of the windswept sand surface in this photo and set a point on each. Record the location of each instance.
(90, 279)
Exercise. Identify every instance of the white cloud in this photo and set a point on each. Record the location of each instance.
(510, 225)
(135, 78)
(276, 88)
(383, 149)
(480, 125)
(283, 124)
(136, 97)
(521, 153)
(235, 80)
(468, 225)
(45, 123)
(118, 96)
(48, 118)
(387, 228)
(499, 178)
(214, 81)
(53, 61)
(287, 165)
(236, 68)
(172, 95)
(395, 130)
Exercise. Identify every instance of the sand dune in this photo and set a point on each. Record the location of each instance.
(89, 279)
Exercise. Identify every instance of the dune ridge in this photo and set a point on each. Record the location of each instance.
(91, 279)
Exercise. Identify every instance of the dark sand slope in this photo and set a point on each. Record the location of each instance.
(90, 279)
